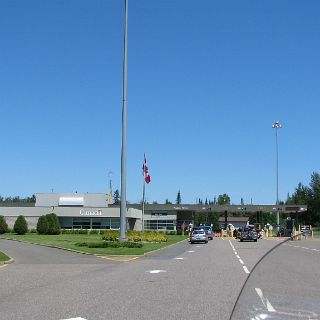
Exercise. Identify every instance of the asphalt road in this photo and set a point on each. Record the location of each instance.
(199, 281)
(285, 285)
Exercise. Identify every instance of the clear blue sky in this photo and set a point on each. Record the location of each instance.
(206, 80)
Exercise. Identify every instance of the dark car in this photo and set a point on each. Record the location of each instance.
(249, 236)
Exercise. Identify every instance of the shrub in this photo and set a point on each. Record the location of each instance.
(21, 225)
(53, 224)
(3, 225)
(111, 235)
(42, 225)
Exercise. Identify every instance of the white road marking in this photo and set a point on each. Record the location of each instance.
(156, 271)
(246, 269)
(240, 260)
(190, 251)
(265, 301)
(78, 318)
(179, 258)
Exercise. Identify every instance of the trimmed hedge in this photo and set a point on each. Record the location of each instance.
(106, 244)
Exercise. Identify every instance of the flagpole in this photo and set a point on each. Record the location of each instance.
(123, 204)
(143, 202)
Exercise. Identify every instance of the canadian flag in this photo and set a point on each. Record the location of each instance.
(145, 171)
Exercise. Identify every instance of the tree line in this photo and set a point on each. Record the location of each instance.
(308, 195)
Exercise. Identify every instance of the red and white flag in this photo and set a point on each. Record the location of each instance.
(145, 171)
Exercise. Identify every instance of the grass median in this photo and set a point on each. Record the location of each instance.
(3, 257)
(68, 241)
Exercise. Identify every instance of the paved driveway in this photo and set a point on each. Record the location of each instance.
(184, 281)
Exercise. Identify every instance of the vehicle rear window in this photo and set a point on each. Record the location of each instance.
(198, 232)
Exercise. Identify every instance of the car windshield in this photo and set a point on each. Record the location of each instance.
(198, 232)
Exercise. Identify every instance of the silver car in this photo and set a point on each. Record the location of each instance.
(198, 236)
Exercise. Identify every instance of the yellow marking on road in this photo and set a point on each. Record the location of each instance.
(120, 258)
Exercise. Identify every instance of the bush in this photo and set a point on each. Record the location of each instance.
(53, 224)
(42, 225)
(20, 226)
(3, 225)
(111, 235)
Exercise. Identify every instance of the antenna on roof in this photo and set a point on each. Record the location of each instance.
(110, 200)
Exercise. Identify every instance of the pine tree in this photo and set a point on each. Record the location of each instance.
(42, 225)
(178, 199)
(21, 225)
(3, 225)
(116, 197)
(53, 224)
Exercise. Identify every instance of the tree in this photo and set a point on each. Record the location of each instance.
(116, 197)
(167, 201)
(53, 224)
(223, 199)
(206, 202)
(178, 199)
(3, 225)
(21, 225)
(42, 225)
(242, 202)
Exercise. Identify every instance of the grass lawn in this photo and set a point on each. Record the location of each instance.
(68, 241)
(3, 257)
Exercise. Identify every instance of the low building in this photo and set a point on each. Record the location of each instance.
(91, 211)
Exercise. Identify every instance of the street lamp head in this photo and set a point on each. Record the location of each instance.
(277, 125)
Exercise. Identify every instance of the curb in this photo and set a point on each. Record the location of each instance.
(2, 263)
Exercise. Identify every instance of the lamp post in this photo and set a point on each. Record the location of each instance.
(123, 205)
(277, 125)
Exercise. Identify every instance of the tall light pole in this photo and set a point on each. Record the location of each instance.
(123, 205)
(277, 126)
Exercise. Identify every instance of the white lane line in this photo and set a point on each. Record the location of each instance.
(179, 258)
(156, 271)
(241, 261)
(265, 301)
(78, 318)
(190, 251)
(246, 269)
(235, 252)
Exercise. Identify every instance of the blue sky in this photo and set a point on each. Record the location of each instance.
(206, 81)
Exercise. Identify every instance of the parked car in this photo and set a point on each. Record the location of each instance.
(249, 236)
(198, 236)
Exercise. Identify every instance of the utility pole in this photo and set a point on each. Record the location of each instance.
(277, 126)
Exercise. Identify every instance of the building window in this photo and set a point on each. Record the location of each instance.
(159, 225)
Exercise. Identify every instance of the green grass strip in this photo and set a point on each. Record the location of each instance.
(68, 241)
(3, 257)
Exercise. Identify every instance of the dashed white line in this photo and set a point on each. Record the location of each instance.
(265, 301)
(179, 258)
(246, 269)
(78, 318)
(190, 251)
(240, 260)
(156, 271)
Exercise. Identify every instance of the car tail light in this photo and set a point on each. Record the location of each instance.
(204, 236)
